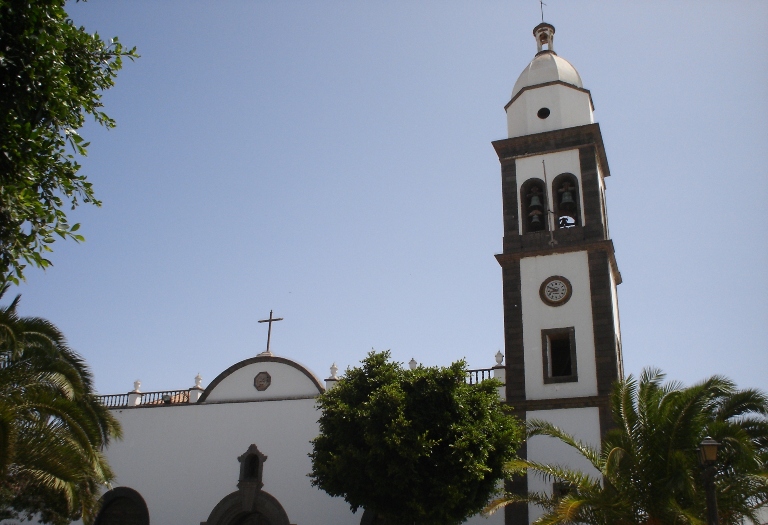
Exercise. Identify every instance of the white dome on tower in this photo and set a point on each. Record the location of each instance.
(549, 94)
(547, 67)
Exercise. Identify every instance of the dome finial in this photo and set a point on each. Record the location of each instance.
(545, 36)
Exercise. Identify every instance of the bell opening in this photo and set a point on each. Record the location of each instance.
(545, 36)
(565, 187)
(533, 204)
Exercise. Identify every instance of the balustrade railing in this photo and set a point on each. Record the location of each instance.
(473, 377)
(113, 400)
(181, 397)
(166, 397)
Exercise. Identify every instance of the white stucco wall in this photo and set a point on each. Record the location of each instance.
(182, 459)
(568, 107)
(558, 162)
(537, 316)
(583, 424)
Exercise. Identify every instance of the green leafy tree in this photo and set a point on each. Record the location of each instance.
(51, 77)
(419, 446)
(52, 428)
(648, 466)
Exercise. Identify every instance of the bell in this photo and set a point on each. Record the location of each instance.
(535, 202)
(566, 202)
(535, 223)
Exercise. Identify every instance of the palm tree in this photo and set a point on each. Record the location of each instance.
(52, 428)
(649, 472)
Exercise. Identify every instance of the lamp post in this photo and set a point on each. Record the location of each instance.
(707, 456)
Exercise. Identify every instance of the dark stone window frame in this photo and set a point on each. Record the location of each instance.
(545, 355)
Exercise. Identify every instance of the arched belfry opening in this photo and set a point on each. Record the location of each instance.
(251, 468)
(545, 37)
(565, 192)
(249, 504)
(533, 204)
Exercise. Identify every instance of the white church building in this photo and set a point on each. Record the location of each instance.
(235, 452)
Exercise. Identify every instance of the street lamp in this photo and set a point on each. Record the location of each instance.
(707, 456)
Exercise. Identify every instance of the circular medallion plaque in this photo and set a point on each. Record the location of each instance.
(555, 291)
(262, 381)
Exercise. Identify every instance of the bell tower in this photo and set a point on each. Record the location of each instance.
(559, 272)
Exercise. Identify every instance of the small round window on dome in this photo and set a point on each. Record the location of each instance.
(543, 113)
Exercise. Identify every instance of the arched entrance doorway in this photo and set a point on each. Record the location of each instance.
(122, 506)
(249, 505)
(233, 510)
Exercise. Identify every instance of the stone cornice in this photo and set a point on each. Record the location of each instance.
(552, 141)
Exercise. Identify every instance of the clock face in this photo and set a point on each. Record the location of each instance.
(555, 291)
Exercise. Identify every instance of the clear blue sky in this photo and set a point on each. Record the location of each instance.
(332, 161)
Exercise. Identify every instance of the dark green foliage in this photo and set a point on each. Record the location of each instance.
(52, 428)
(649, 470)
(417, 446)
(51, 76)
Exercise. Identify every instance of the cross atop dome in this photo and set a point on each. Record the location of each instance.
(545, 36)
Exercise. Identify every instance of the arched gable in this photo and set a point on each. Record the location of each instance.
(262, 378)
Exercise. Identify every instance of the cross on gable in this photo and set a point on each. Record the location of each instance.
(269, 331)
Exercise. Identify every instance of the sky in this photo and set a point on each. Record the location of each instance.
(332, 161)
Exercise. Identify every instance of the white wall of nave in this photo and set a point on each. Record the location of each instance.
(183, 459)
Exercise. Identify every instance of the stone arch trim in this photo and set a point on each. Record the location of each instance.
(122, 496)
(261, 359)
(233, 508)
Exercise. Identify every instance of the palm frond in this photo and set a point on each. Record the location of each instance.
(52, 428)
(537, 427)
(648, 465)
